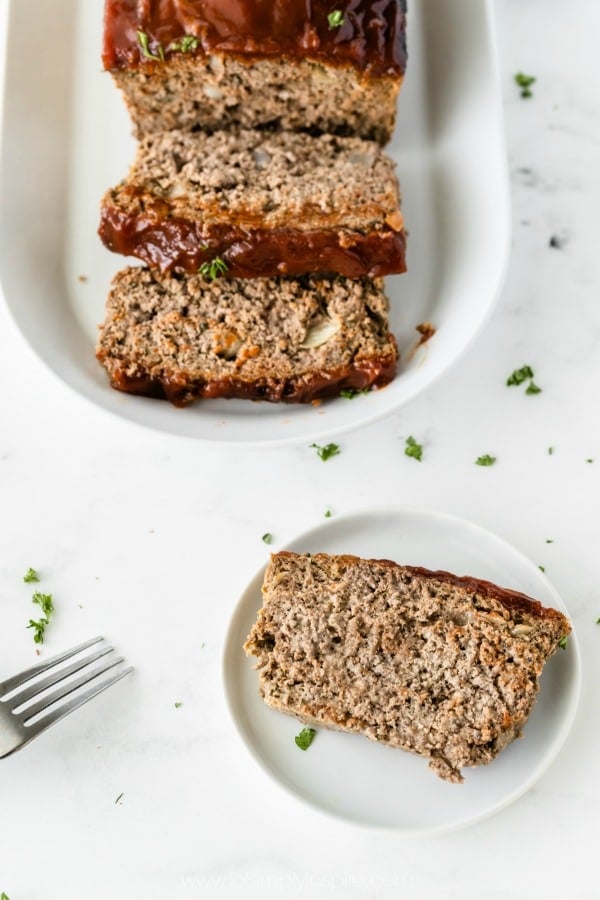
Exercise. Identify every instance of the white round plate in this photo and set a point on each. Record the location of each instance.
(377, 786)
(450, 152)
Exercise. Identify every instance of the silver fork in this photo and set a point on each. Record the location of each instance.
(20, 701)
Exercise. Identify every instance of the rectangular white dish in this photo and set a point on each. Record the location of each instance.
(67, 138)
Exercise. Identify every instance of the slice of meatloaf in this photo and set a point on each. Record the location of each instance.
(443, 666)
(266, 339)
(264, 204)
(291, 64)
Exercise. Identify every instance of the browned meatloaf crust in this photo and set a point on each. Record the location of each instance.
(255, 63)
(266, 204)
(266, 339)
(443, 666)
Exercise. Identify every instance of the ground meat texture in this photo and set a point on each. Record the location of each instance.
(265, 204)
(293, 340)
(442, 666)
(258, 64)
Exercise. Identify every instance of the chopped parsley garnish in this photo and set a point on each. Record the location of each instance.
(267, 538)
(413, 449)
(350, 394)
(335, 19)
(524, 82)
(549, 540)
(327, 451)
(305, 738)
(4, 896)
(542, 568)
(213, 269)
(178, 704)
(532, 388)
(187, 44)
(519, 376)
(45, 602)
(485, 460)
(328, 513)
(597, 621)
(40, 629)
(144, 42)
(589, 460)
(563, 643)
(550, 451)
(29, 576)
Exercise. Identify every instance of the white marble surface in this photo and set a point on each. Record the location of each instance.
(134, 532)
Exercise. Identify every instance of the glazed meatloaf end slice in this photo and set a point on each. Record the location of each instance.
(263, 204)
(443, 666)
(266, 339)
(214, 64)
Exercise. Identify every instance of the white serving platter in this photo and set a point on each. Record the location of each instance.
(66, 139)
(371, 785)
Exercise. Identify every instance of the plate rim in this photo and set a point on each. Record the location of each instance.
(230, 646)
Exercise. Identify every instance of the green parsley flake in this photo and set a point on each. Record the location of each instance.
(563, 643)
(305, 738)
(350, 394)
(597, 621)
(542, 568)
(519, 376)
(144, 42)
(533, 388)
(29, 576)
(327, 451)
(178, 704)
(267, 538)
(550, 451)
(4, 896)
(335, 19)
(187, 44)
(40, 630)
(328, 513)
(413, 449)
(549, 540)
(45, 602)
(524, 82)
(485, 460)
(213, 269)
(589, 460)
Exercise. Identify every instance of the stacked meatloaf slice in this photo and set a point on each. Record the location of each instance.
(265, 204)
(232, 217)
(293, 64)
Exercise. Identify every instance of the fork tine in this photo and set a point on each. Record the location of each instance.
(66, 708)
(64, 691)
(28, 693)
(16, 681)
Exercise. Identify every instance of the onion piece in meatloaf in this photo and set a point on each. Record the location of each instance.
(291, 64)
(185, 338)
(263, 204)
(442, 666)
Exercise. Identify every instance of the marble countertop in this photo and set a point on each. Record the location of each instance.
(135, 534)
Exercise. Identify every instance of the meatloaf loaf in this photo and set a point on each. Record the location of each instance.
(443, 666)
(272, 339)
(293, 64)
(261, 204)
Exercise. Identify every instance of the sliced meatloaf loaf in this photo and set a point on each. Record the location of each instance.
(446, 667)
(271, 339)
(293, 64)
(262, 204)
